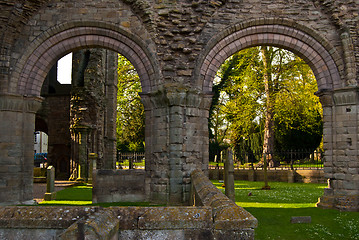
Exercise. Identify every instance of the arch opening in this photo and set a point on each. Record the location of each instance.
(302, 44)
(45, 55)
(264, 104)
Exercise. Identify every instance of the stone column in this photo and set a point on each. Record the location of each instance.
(111, 109)
(92, 166)
(17, 117)
(176, 140)
(340, 133)
(83, 165)
(156, 145)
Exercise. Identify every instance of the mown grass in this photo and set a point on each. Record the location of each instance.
(82, 196)
(274, 209)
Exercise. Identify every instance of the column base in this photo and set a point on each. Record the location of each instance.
(49, 196)
(343, 203)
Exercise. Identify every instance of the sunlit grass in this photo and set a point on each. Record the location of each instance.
(274, 209)
(275, 205)
(82, 196)
(66, 202)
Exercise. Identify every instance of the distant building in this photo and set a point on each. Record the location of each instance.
(40, 142)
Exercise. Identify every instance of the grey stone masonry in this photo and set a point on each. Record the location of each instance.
(177, 48)
(16, 144)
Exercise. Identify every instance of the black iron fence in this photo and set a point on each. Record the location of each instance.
(130, 160)
(290, 159)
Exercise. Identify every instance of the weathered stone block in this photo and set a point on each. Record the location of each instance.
(176, 218)
(301, 219)
(339, 176)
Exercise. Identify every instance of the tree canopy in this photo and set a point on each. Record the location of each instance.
(259, 80)
(130, 111)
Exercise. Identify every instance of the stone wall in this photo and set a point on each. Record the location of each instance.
(17, 117)
(305, 176)
(58, 122)
(120, 186)
(215, 220)
(177, 48)
(230, 221)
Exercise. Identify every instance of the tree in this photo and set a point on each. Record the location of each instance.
(298, 119)
(240, 107)
(260, 83)
(130, 111)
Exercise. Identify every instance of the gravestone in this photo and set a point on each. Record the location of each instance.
(301, 219)
(50, 184)
(229, 175)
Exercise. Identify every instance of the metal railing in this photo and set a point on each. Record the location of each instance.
(130, 160)
(291, 159)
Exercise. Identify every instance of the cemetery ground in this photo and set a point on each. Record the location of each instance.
(273, 208)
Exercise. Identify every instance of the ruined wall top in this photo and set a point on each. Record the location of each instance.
(173, 33)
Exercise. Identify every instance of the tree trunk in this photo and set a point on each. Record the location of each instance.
(268, 140)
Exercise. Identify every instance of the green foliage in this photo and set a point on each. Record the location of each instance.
(240, 102)
(298, 117)
(130, 111)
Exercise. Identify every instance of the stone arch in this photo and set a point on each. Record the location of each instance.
(58, 41)
(321, 56)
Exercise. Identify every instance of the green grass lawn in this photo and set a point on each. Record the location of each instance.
(82, 195)
(274, 209)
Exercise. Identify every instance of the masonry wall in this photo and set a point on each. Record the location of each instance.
(17, 116)
(120, 186)
(58, 119)
(177, 47)
(305, 176)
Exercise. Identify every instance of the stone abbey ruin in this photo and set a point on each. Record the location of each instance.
(176, 47)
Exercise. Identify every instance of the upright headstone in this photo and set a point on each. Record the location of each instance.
(251, 175)
(216, 170)
(291, 176)
(50, 184)
(92, 166)
(229, 176)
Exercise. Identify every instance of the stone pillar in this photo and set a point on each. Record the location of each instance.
(17, 117)
(83, 165)
(340, 134)
(156, 145)
(111, 76)
(176, 140)
(92, 166)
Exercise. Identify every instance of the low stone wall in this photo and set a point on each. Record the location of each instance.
(126, 223)
(119, 186)
(229, 220)
(34, 222)
(213, 216)
(278, 175)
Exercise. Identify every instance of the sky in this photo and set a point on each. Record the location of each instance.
(64, 67)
